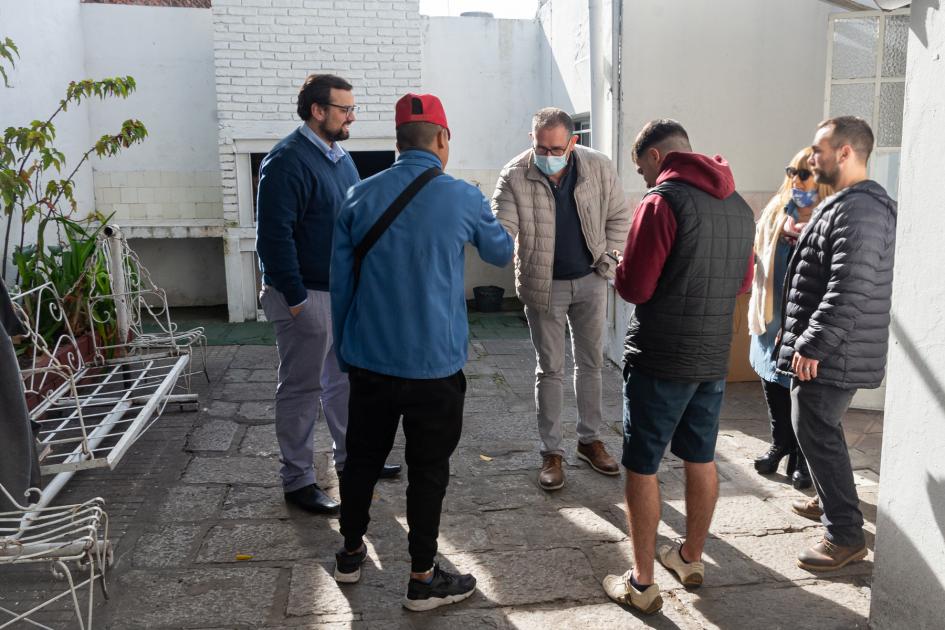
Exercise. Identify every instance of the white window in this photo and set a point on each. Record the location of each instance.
(866, 73)
(582, 128)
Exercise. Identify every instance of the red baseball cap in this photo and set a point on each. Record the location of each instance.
(420, 108)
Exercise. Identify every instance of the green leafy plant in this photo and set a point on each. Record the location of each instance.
(37, 189)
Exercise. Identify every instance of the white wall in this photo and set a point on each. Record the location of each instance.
(173, 176)
(909, 573)
(566, 54)
(485, 72)
(744, 77)
(48, 34)
(263, 50)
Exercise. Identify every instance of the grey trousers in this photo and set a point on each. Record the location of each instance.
(816, 413)
(308, 375)
(580, 304)
(19, 468)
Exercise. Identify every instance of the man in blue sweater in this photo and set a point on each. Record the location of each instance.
(402, 334)
(302, 182)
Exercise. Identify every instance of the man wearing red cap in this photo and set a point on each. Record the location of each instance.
(399, 317)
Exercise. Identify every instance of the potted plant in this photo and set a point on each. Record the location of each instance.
(33, 191)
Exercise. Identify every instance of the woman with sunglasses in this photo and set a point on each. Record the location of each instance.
(776, 232)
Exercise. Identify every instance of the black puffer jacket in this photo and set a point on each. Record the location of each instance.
(839, 288)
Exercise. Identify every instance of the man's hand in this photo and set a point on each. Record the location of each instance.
(295, 310)
(804, 369)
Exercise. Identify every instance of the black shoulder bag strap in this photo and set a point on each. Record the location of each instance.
(395, 208)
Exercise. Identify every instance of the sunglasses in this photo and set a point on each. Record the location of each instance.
(802, 173)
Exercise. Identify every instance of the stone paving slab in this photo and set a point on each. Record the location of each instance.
(204, 538)
(814, 605)
(227, 598)
(229, 470)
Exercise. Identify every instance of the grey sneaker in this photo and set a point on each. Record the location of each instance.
(445, 588)
(348, 565)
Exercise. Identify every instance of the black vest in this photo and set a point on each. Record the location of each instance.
(684, 332)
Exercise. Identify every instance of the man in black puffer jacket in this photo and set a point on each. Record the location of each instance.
(836, 327)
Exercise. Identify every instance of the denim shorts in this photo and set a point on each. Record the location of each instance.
(657, 412)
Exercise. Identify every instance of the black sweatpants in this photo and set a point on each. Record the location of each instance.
(433, 421)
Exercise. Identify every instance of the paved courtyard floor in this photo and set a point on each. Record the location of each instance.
(204, 540)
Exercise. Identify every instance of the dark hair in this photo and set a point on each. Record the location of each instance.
(548, 117)
(655, 132)
(317, 89)
(851, 130)
(417, 135)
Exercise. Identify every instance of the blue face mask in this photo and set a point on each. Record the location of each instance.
(550, 164)
(804, 198)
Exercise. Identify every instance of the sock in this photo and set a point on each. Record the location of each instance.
(425, 580)
(637, 585)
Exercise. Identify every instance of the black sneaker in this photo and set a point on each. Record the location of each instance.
(348, 565)
(446, 588)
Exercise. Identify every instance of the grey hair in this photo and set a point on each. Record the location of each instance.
(549, 117)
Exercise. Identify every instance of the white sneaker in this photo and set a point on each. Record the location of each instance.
(620, 589)
(689, 573)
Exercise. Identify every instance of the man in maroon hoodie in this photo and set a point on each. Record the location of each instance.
(687, 257)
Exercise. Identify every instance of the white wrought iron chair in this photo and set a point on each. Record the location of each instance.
(71, 539)
(141, 310)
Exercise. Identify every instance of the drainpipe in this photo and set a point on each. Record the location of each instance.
(116, 273)
(600, 30)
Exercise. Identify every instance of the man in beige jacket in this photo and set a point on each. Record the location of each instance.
(565, 207)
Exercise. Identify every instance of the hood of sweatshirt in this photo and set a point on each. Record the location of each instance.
(709, 174)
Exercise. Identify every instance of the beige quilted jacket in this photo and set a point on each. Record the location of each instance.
(524, 204)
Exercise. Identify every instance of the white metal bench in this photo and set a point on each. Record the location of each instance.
(89, 409)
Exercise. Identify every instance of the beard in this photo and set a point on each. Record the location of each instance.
(827, 175)
(335, 135)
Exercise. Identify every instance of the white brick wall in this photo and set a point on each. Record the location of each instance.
(265, 48)
(159, 196)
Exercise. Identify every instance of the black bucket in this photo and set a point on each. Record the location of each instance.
(488, 299)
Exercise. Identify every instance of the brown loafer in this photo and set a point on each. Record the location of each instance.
(551, 476)
(826, 556)
(808, 508)
(597, 456)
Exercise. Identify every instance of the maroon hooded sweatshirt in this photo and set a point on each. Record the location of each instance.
(654, 226)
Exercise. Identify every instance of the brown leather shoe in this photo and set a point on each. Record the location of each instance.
(826, 556)
(808, 508)
(551, 476)
(597, 456)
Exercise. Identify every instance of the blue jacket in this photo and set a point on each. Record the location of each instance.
(300, 191)
(408, 317)
(761, 350)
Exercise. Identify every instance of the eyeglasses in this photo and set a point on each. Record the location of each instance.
(347, 109)
(555, 151)
(802, 173)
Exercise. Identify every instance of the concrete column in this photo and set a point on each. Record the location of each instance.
(909, 576)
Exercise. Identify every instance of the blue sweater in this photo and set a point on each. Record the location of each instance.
(300, 191)
(408, 317)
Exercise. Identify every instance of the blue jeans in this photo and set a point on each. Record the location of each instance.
(657, 412)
